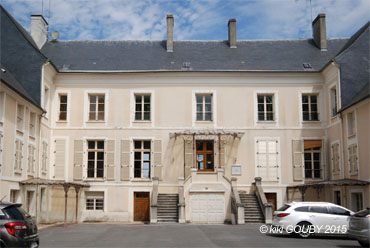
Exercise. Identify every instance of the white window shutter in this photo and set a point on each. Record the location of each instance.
(297, 152)
(188, 156)
(60, 155)
(78, 160)
(158, 159)
(125, 160)
(110, 165)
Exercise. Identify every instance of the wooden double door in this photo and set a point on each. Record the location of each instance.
(141, 206)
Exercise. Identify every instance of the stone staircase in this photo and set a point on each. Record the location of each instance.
(252, 210)
(167, 210)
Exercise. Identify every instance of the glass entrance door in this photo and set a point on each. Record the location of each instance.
(205, 155)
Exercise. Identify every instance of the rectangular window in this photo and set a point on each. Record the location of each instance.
(309, 108)
(32, 130)
(265, 107)
(63, 107)
(312, 159)
(205, 155)
(14, 196)
(142, 107)
(337, 197)
(44, 158)
(142, 158)
(20, 117)
(31, 159)
(46, 99)
(43, 200)
(333, 101)
(95, 159)
(350, 124)
(96, 107)
(94, 200)
(18, 155)
(352, 159)
(357, 201)
(204, 107)
(335, 157)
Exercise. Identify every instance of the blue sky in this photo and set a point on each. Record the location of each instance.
(194, 20)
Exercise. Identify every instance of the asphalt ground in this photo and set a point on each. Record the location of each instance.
(177, 235)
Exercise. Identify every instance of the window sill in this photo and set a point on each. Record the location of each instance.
(202, 122)
(95, 121)
(141, 121)
(206, 172)
(61, 121)
(94, 180)
(311, 122)
(266, 122)
(141, 180)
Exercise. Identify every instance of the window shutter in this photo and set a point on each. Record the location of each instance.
(60, 155)
(188, 156)
(78, 160)
(29, 162)
(262, 159)
(272, 161)
(222, 145)
(16, 155)
(20, 155)
(110, 159)
(158, 159)
(297, 160)
(125, 160)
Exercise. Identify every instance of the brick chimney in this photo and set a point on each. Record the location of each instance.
(232, 33)
(319, 32)
(39, 30)
(170, 22)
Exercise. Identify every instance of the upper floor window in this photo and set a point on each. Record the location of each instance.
(142, 107)
(96, 107)
(265, 107)
(351, 124)
(312, 159)
(309, 108)
(333, 101)
(95, 159)
(63, 107)
(20, 117)
(32, 131)
(204, 107)
(142, 161)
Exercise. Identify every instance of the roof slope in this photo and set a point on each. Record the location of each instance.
(354, 64)
(20, 56)
(274, 55)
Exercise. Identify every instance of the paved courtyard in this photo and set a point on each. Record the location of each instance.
(175, 235)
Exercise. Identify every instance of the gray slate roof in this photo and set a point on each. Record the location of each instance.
(354, 64)
(20, 56)
(273, 55)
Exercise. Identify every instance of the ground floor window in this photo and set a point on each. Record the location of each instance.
(14, 196)
(312, 159)
(95, 159)
(94, 200)
(142, 161)
(205, 155)
(337, 197)
(356, 201)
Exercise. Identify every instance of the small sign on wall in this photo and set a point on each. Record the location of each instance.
(236, 169)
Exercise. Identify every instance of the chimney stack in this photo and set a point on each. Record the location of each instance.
(39, 30)
(319, 32)
(232, 33)
(170, 23)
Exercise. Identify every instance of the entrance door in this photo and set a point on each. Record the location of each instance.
(205, 154)
(141, 206)
(271, 198)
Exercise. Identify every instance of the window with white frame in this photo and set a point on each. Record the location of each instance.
(335, 157)
(312, 159)
(356, 201)
(204, 107)
(267, 159)
(94, 200)
(20, 117)
(14, 196)
(96, 107)
(142, 107)
(32, 127)
(337, 197)
(46, 98)
(352, 159)
(309, 107)
(44, 156)
(18, 155)
(31, 159)
(351, 124)
(95, 159)
(333, 101)
(63, 98)
(142, 158)
(265, 107)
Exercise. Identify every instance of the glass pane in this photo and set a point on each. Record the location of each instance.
(314, 116)
(146, 173)
(92, 116)
(147, 116)
(269, 107)
(138, 116)
(100, 156)
(100, 99)
(270, 116)
(138, 107)
(199, 145)
(146, 144)
(209, 145)
(209, 161)
(316, 156)
(90, 164)
(92, 99)
(306, 116)
(146, 156)
(260, 99)
(199, 99)
(91, 155)
(316, 165)
(147, 99)
(200, 165)
(308, 165)
(208, 98)
(208, 107)
(137, 165)
(101, 116)
(208, 116)
(99, 204)
(146, 166)
(137, 173)
(137, 144)
(317, 174)
(63, 107)
(261, 116)
(101, 107)
(314, 107)
(304, 99)
(62, 116)
(268, 99)
(308, 174)
(100, 173)
(313, 99)
(100, 144)
(199, 107)
(63, 99)
(307, 157)
(199, 117)
(147, 107)
(90, 173)
(92, 107)
(100, 164)
(91, 144)
(261, 107)
(305, 107)
(138, 98)
(137, 155)
(200, 157)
